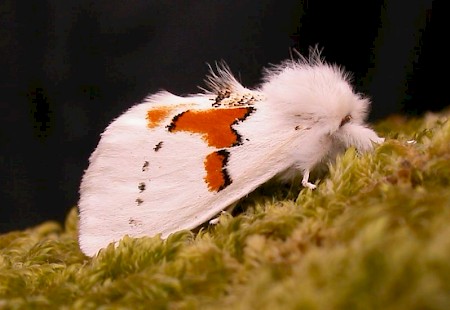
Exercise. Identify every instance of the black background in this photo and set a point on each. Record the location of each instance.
(67, 68)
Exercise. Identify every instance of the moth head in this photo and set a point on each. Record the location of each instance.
(347, 108)
(312, 92)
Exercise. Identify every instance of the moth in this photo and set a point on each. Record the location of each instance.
(172, 163)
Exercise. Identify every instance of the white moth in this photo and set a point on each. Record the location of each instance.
(172, 163)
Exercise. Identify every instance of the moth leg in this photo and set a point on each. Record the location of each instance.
(228, 209)
(305, 180)
(216, 220)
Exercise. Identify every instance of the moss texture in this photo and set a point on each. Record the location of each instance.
(375, 234)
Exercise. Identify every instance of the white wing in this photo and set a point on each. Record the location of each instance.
(144, 179)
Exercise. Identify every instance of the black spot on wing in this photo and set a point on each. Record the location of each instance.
(220, 96)
(171, 127)
(145, 166)
(158, 146)
(226, 176)
(250, 110)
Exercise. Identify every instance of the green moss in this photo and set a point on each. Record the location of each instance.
(373, 235)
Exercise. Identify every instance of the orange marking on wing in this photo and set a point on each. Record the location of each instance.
(215, 124)
(216, 175)
(157, 115)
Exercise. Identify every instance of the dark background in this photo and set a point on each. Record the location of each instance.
(67, 68)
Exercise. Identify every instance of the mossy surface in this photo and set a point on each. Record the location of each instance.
(375, 234)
